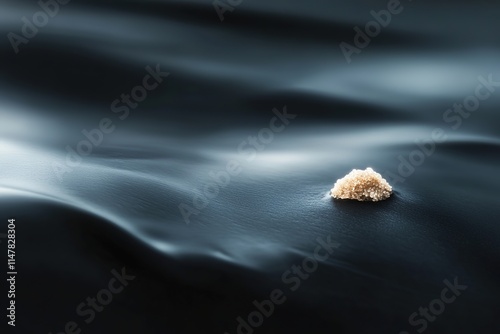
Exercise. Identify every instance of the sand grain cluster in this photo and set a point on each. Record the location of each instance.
(362, 185)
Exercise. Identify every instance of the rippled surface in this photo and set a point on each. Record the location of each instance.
(120, 205)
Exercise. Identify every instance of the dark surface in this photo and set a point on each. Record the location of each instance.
(120, 206)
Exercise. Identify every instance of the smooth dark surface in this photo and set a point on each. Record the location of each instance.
(120, 206)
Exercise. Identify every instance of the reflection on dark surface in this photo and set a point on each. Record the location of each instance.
(119, 206)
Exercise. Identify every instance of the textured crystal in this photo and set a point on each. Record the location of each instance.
(362, 185)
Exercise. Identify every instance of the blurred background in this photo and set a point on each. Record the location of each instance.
(193, 144)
